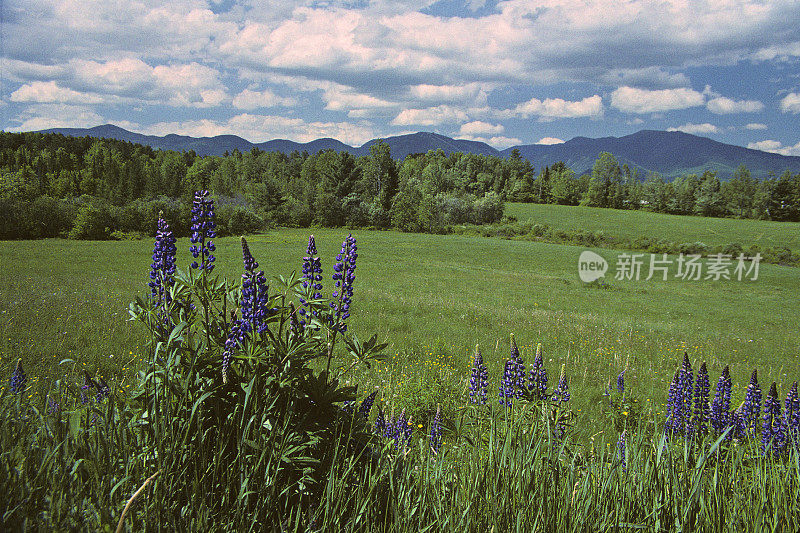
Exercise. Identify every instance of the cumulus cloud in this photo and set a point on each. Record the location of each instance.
(259, 128)
(251, 100)
(497, 141)
(791, 103)
(696, 129)
(775, 147)
(46, 116)
(431, 116)
(549, 140)
(50, 92)
(756, 126)
(477, 127)
(723, 106)
(635, 100)
(552, 108)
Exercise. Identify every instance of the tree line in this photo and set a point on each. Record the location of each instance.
(54, 185)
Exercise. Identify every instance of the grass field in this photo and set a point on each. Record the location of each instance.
(432, 298)
(632, 224)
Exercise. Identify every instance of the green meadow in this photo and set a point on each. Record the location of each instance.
(433, 298)
(626, 224)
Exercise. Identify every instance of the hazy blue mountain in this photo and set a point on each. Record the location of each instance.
(671, 154)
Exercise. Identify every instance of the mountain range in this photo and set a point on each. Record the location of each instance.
(669, 153)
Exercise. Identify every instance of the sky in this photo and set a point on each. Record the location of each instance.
(503, 72)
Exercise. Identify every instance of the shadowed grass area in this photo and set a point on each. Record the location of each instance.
(432, 298)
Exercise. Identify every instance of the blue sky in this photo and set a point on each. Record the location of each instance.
(507, 73)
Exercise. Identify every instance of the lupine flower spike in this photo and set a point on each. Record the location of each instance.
(343, 276)
(720, 407)
(622, 449)
(478, 380)
(235, 340)
(18, 378)
(507, 383)
(162, 270)
(312, 277)
(685, 382)
(436, 431)
(699, 424)
(255, 298)
(674, 405)
(202, 231)
(537, 379)
(752, 405)
(792, 415)
(621, 383)
(561, 394)
(366, 404)
(772, 434)
(519, 378)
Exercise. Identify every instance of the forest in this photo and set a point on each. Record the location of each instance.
(85, 188)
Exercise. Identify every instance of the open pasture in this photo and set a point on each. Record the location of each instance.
(630, 225)
(432, 298)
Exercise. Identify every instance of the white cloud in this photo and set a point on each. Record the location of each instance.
(696, 129)
(791, 103)
(496, 141)
(50, 92)
(251, 100)
(723, 106)
(477, 127)
(46, 116)
(775, 147)
(549, 140)
(634, 100)
(552, 108)
(782, 52)
(431, 116)
(756, 126)
(259, 128)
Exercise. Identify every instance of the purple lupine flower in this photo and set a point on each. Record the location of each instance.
(88, 383)
(772, 434)
(621, 383)
(162, 270)
(389, 429)
(699, 422)
(561, 393)
(720, 416)
(235, 340)
(436, 431)
(685, 382)
(791, 415)
(508, 383)
(366, 404)
(752, 405)
(674, 406)
(52, 406)
(739, 422)
(255, 300)
(400, 427)
(312, 276)
(380, 423)
(103, 390)
(343, 276)
(519, 379)
(18, 378)
(537, 379)
(202, 231)
(622, 446)
(478, 379)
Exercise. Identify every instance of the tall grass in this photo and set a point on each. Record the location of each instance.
(282, 444)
